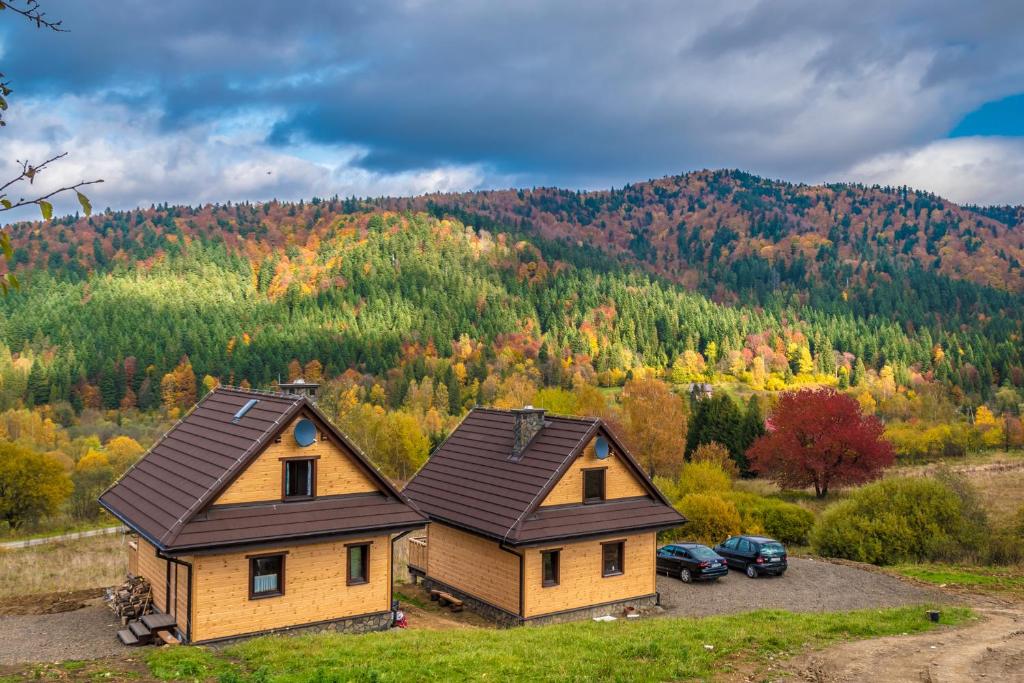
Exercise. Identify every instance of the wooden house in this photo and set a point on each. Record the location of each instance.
(255, 514)
(536, 518)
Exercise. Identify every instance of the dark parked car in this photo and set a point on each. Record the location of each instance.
(691, 562)
(756, 555)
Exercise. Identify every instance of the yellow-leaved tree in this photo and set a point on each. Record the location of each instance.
(32, 485)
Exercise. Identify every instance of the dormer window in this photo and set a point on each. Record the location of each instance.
(299, 478)
(593, 485)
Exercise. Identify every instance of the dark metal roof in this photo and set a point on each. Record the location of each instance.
(613, 516)
(204, 452)
(223, 525)
(471, 480)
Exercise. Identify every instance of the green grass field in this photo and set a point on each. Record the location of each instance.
(1009, 580)
(663, 649)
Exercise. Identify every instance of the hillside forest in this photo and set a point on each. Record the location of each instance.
(629, 304)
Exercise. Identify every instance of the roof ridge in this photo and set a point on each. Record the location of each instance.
(547, 413)
(257, 392)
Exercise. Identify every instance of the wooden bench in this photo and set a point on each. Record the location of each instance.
(166, 638)
(446, 600)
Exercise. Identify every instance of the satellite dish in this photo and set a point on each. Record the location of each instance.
(601, 448)
(305, 433)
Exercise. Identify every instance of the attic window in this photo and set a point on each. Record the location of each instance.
(299, 478)
(594, 485)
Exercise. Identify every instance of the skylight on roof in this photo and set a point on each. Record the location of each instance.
(245, 409)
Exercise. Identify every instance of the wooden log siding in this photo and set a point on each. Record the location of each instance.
(315, 589)
(580, 581)
(474, 565)
(154, 570)
(336, 473)
(620, 481)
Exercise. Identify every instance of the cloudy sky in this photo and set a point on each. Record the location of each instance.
(195, 101)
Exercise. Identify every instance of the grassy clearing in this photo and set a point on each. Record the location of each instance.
(1005, 580)
(64, 566)
(55, 526)
(650, 650)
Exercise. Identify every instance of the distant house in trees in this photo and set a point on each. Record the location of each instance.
(699, 390)
(537, 518)
(255, 514)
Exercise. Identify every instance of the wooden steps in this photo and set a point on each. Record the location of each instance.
(150, 628)
(127, 638)
(157, 621)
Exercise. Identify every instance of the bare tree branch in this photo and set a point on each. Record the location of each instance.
(33, 13)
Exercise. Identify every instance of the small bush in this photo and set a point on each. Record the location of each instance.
(702, 477)
(716, 454)
(786, 522)
(893, 521)
(712, 519)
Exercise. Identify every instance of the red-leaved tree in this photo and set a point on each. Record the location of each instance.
(819, 438)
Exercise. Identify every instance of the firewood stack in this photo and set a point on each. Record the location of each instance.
(131, 599)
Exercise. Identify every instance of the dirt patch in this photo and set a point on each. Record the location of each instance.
(991, 649)
(424, 614)
(108, 669)
(84, 633)
(810, 585)
(48, 603)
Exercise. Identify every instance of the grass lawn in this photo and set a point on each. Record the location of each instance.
(656, 649)
(1007, 580)
(63, 566)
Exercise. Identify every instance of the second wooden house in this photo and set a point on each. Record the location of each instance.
(537, 519)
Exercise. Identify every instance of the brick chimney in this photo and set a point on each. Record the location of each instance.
(529, 421)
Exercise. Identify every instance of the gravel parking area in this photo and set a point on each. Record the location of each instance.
(85, 633)
(808, 586)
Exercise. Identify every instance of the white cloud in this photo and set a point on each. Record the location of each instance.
(142, 163)
(973, 170)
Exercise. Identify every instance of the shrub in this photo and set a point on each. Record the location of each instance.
(894, 520)
(787, 522)
(711, 518)
(694, 477)
(716, 454)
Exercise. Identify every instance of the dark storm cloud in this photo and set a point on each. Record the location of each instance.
(579, 94)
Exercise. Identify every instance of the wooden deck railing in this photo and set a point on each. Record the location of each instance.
(418, 552)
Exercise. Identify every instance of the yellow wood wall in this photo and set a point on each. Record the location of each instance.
(580, 580)
(620, 481)
(154, 570)
(314, 589)
(336, 472)
(474, 565)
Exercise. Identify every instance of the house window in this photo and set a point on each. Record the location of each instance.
(358, 563)
(549, 561)
(266, 576)
(611, 558)
(593, 485)
(299, 478)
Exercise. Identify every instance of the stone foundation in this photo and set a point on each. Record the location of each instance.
(381, 621)
(614, 609)
(506, 619)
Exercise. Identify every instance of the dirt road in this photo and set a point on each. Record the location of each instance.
(992, 649)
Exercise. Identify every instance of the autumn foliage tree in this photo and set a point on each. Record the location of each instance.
(32, 485)
(820, 438)
(655, 424)
(178, 387)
